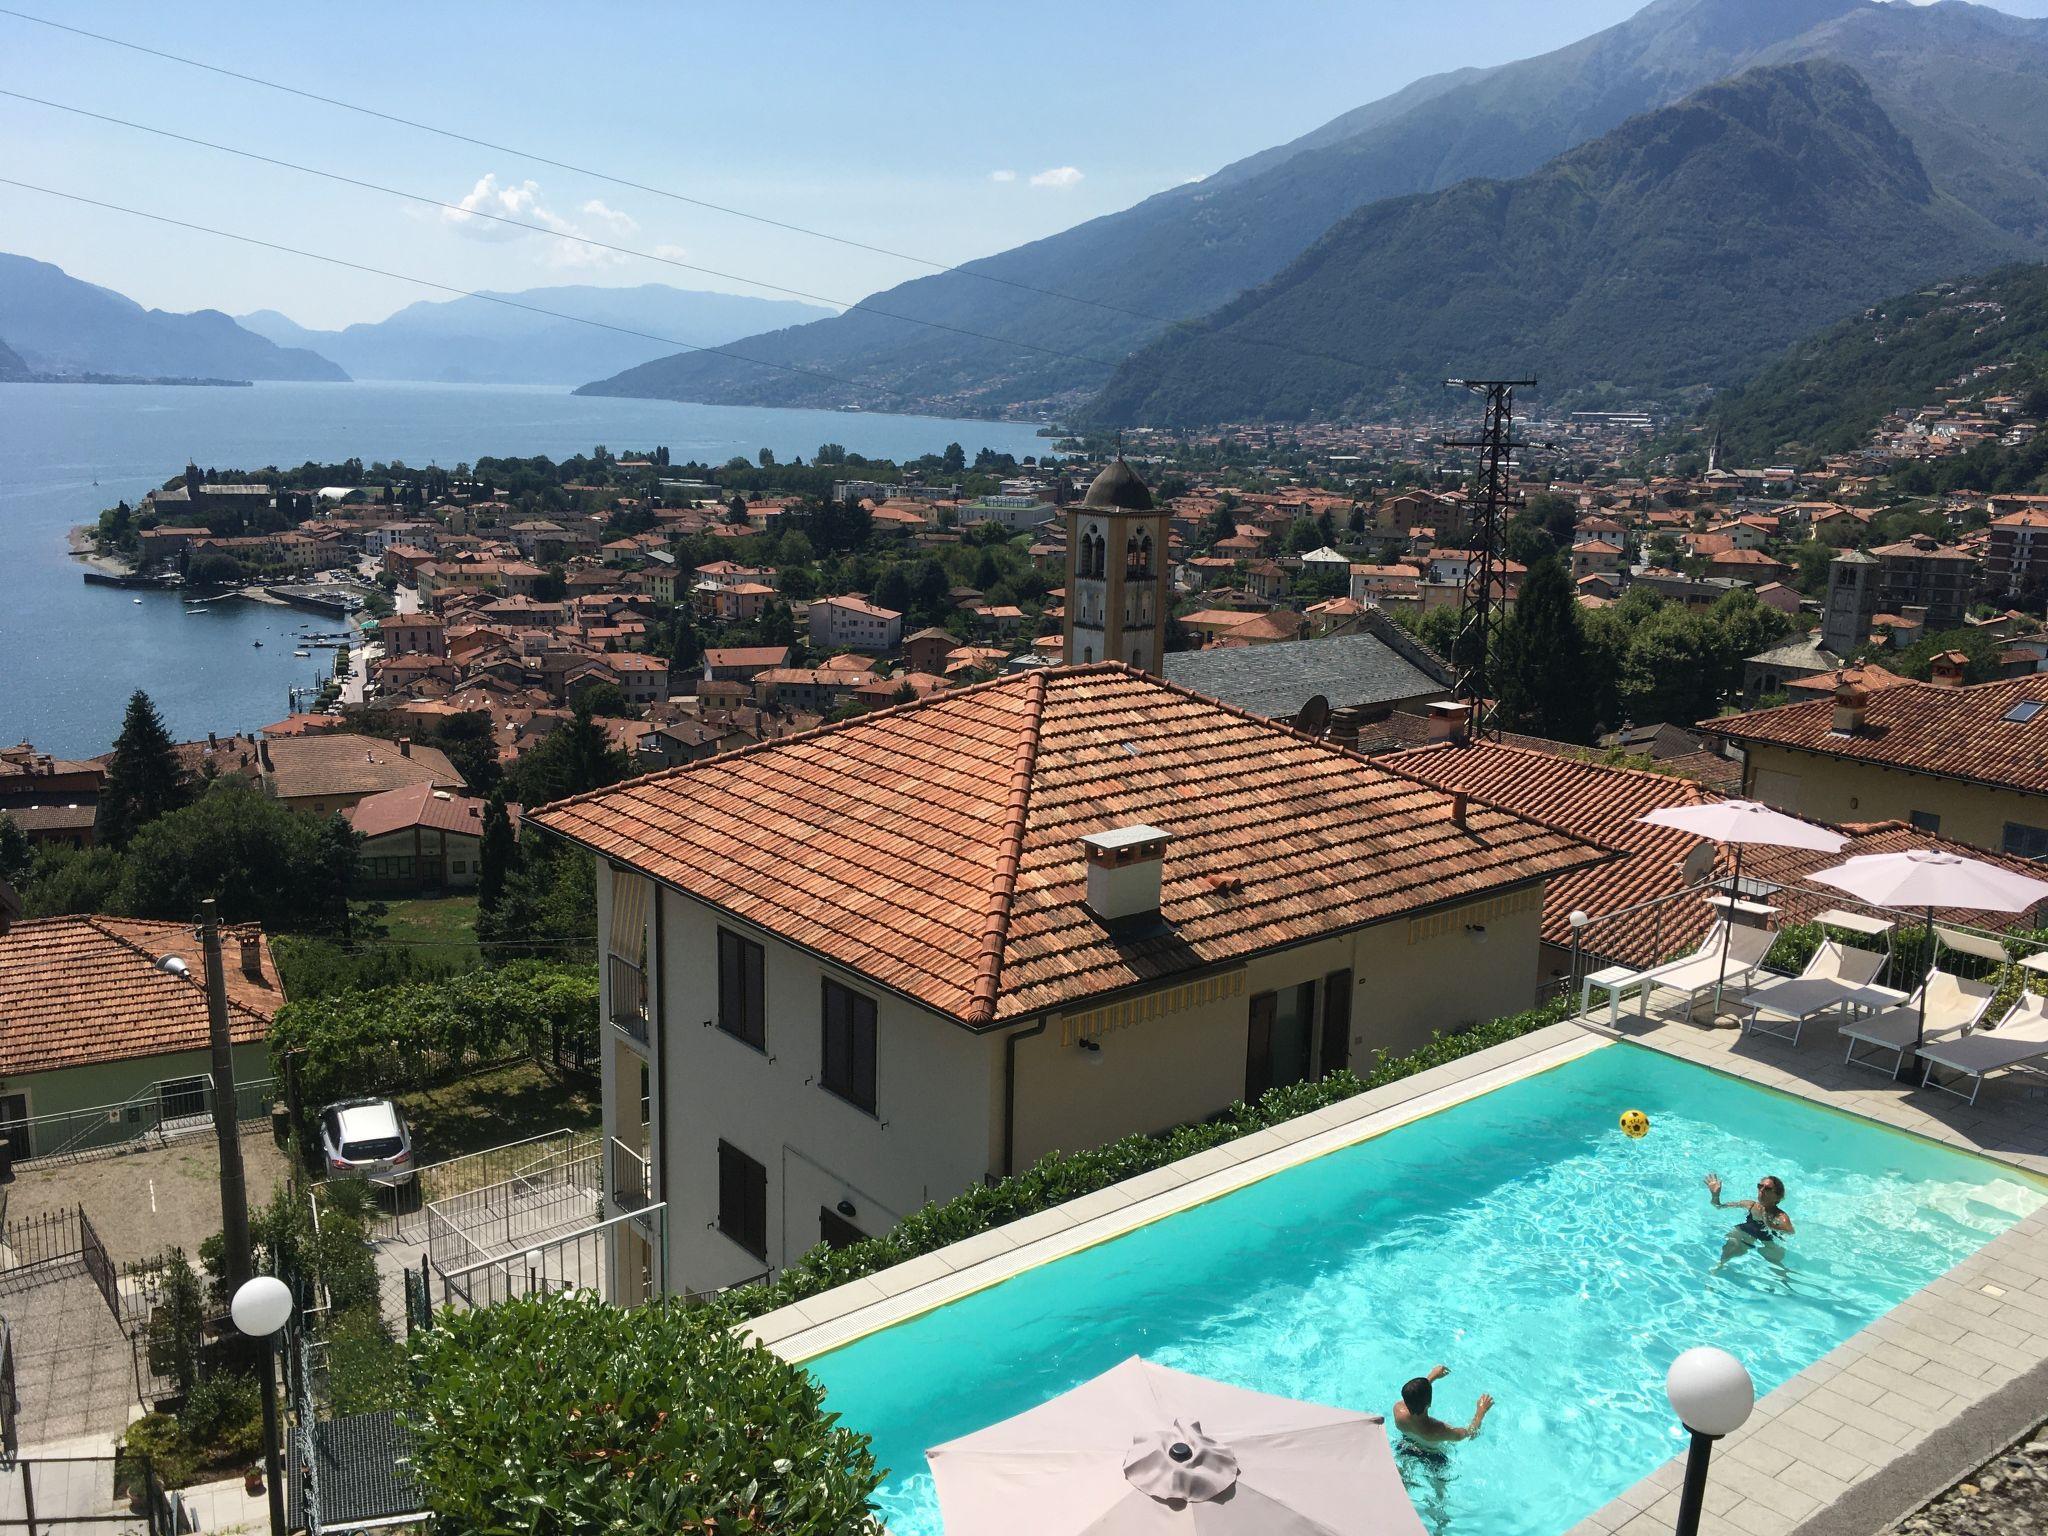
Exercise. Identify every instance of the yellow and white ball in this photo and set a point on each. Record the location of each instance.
(1634, 1124)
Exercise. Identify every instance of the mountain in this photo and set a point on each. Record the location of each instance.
(1184, 252)
(1678, 250)
(485, 339)
(60, 325)
(1983, 335)
(11, 365)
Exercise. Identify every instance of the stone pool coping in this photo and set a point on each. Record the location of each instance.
(847, 1312)
(1869, 1431)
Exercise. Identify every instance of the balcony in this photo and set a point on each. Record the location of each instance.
(626, 984)
(632, 1187)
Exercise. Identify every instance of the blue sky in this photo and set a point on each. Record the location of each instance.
(948, 130)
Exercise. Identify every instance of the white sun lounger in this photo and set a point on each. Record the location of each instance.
(1699, 972)
(2021, 1037)
(1955, 1006)
(1836, 976)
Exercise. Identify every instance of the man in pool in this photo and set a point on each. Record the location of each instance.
(1413, 1418)
(1764, 1224)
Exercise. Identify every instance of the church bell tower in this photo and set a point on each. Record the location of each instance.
(1118, 592)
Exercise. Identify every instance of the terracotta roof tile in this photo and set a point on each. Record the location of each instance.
(79, 990)
(1955, 733)
(935, 847)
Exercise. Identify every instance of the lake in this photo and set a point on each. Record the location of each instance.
(70, 654)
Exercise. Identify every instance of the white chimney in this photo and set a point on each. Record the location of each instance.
(1448, 719)
(1123, 872)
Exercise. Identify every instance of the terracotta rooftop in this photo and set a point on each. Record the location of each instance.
(312, 766)
(1953, 733)
(79, 990)
(420, 805)
(935, 847)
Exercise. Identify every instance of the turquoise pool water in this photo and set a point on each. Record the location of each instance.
(1519, 1238)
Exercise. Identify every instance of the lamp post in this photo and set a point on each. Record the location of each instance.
(261, 1307)
(1578, 920)
(1712, 1395)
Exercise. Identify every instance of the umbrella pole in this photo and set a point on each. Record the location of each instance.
(1728, 932)
(1916, 1074)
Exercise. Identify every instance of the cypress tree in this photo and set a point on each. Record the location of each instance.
(498, 851)
(144, 779)
(1539, 662)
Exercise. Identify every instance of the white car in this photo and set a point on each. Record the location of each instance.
(366, 1139)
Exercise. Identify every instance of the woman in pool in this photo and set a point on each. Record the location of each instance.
(1764, 1224)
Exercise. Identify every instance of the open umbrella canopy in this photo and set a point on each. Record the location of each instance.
(1142, 1449)
(1746, 821)
(1930, 878)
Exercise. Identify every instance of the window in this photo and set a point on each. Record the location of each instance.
(460, 866)
(1925, 821)
(1336, 1023)
(740, 1010)
(182, 1097)
(835, 1231)
(743, 1199)
(2028, 842)
(2024, 711)
(849, 1053)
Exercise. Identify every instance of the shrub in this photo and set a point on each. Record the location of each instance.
(159, 1437)
(556, 1414)
(177, 1324)
(223, 1417)
(365, 1366)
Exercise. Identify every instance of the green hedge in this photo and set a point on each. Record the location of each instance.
(559, 1414)
(1063, 1176)
(391, 1039)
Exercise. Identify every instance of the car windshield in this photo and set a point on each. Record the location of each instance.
(371, 1146)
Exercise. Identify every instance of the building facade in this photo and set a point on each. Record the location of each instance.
(1119, 587)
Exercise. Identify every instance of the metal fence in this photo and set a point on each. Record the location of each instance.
(162, 1110)
(31, 1245)
(401, 1212)
(10, 1399)
(76, 1495)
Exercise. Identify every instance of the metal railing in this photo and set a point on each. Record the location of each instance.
(498, 1218)
(572, 1261)
(77, 1494)
(161, 1109)
(627, 985)
(434, 1183)
(31, 1245)
(632, 1187)
(10, 1399)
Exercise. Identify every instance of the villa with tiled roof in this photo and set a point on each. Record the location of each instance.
(860, 968)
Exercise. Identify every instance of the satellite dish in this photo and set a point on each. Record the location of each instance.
(1314, 716)
(1698, 864)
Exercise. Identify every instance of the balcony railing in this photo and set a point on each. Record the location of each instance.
(628, 987)
(632, 1186)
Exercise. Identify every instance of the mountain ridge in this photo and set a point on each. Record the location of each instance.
(490, 339)
(1675, 251)
(63, 325)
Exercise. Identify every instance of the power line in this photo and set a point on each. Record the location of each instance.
(580, 170)
(559, 234)
(1168, 322)
(428, 282)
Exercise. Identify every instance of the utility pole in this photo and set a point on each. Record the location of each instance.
(234, 1195)
(1484, 600)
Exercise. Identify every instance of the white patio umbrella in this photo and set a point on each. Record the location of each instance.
(1927, 878)
(1740, 823)
(1142, 1449)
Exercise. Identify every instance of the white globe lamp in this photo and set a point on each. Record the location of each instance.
(262, 1306)
(1712, 1395)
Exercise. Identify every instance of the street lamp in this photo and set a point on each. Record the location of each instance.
(1712, 1395)
(261, 1307)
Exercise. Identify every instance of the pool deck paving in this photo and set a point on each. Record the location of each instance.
(1859, 1439)
(1900, 1410)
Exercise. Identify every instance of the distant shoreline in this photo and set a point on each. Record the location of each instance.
(82, 550)
(124, 378)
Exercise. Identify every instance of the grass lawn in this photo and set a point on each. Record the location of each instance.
(495, 1107)
(443, 928)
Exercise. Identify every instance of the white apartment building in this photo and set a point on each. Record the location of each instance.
(856, 623)
(870, 966)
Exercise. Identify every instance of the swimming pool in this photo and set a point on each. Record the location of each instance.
(1519, 1238)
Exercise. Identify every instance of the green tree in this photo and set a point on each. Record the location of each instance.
(144, 779)
(16, 853)
(67, 880)
(261, 862)
(766, 458)
(571, 760)
(1538, 669)
(498, 850)
(954, 460)
(552, 585)
(777, 624)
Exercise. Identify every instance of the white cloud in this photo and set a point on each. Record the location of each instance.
(1058, 176)
(522, 201)
(672, 252)
(1002, 175)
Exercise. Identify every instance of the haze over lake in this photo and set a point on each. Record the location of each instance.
(70, 653)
